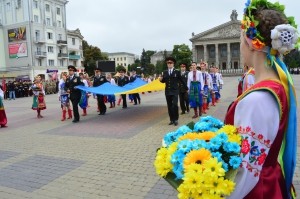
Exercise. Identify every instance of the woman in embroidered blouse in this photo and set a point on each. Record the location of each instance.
(266, 113)
(38, 96)
(195, 85)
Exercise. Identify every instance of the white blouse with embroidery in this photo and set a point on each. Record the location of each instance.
(199, 78)
(248, 81)
(257, 118)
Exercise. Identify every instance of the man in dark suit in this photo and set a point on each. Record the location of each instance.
(122, 81)
(75, 94)
(183, 95)
(136, 96)
(172, 78)
(100, 79)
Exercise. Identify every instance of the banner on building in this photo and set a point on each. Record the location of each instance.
(16, 34)
(17, 50)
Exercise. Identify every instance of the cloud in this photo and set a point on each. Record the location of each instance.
(131, 25)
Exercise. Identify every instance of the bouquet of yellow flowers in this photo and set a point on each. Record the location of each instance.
(200, 159)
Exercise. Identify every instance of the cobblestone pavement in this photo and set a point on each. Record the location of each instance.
(107, 156)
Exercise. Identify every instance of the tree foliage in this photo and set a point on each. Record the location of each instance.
(182, 54)
(91, 55)
(292, 60)
(146, 67)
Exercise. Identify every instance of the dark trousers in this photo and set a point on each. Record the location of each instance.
(172, 102)
(101, 104)
(184, 102)
(124, 100)
(136, 98)
(75, 102)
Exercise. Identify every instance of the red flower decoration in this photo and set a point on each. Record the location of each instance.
(248, 129)
(252, 24)
(245, 146)
(261, 158)
(260, 136)
(267, 142)
(262, 150)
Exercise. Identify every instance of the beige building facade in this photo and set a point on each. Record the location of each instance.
(219, 46)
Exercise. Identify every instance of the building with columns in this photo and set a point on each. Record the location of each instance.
(219, 46)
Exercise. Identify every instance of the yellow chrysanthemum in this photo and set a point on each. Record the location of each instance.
(228, 129)
(200, 136)
(172, 148)
(235, 138)
(228, 187)
(215, 186)
(196, 168)
(213, 168)
(193, 181)
(162, 162)
(196, 156)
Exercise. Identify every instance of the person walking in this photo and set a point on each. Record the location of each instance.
(64, 97)
(172, 77)
(183, 94)
(75, 94)
(38, 96)
(122, 81)
(100, 79)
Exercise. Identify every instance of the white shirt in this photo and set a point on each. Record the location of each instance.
(199, 78)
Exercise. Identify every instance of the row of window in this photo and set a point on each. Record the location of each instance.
(50, 62)
(47, 22)
(223, 51)
(47, 7)
(114, 59)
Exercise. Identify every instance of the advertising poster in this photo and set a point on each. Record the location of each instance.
(16, 34)
(17, 50)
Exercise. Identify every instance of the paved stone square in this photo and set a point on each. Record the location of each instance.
(107, 156)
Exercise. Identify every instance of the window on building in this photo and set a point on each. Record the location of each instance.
(39, 62)
(59, 36)
(124, 58)
(19, 3)
(58, 11)
(117, 58)
(114, 59)
(121, 59)
(48, 21)
(50, 49)
(124, 64)
(235, 51)
(223, 51)
(35, 4)
(212, 52)
(50, 62)
(59, 23)
(61, 62)
(49, 35)
(36, 18)
(47, 8)
(8, 6)
(73, 41)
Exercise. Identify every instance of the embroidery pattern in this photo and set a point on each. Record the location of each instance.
(256, 149)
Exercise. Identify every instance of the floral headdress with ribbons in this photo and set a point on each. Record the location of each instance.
(284, 37)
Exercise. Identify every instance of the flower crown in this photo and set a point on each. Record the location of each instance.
(284, 37)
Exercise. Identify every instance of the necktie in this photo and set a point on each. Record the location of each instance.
(170, 71)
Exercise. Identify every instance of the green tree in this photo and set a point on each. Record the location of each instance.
(91, 55)
(182, 54)
(292, 60)
(161, 65)
(146, 66)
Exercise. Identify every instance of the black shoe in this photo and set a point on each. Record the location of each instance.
(171, 123)
(124, 107)
(188, 111)
(101, 113)
(175, 123)
(75, 121)
(182, 113)
(135, 104)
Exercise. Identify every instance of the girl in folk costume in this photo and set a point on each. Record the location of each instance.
(64, 97)
(249, 79)
(241, 80)
(265, 114)
(206, 87)
(215, 94)
(83, 103)
(3, 119)
(195, 86)
(38, 96)
(111, 98)
(220, 81)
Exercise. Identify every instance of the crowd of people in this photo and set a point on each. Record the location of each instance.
(197, 88)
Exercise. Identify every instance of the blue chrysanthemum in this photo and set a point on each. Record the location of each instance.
(232, 147)
(251, 32)
(169, 138)
(217, 155)
(201, 127)
(178, 171)
(215, 143)
(185, 146)
(223, 137)
(184, 129)
(198, 144)
(225, 166)
(235, 162)
(177, 157)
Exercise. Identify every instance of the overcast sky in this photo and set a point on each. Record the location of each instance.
(131, 25)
